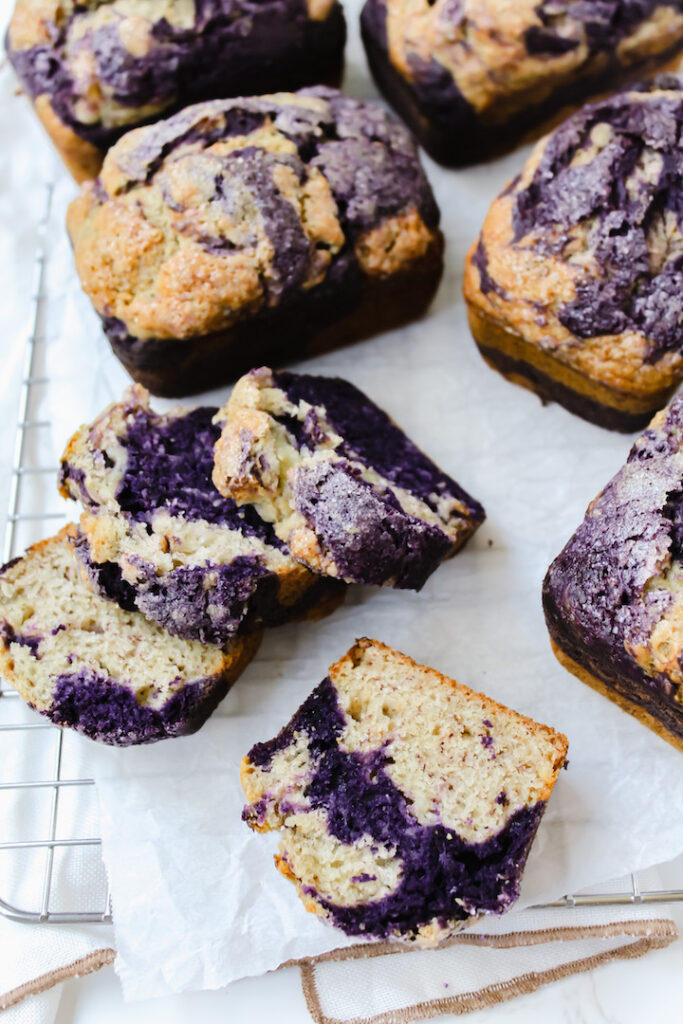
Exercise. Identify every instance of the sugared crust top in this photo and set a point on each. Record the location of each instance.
(582, 253)
(347, 492)
(105, 64)
(501, 55)
(236, 205)
(617, 587)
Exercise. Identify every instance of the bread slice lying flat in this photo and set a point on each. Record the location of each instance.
(105, 672)
(406, 803)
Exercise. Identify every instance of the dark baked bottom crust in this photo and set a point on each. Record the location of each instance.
(322, 601)
(554, 381)
(248, 646)
(313, 324)
(631, 706)
(457, 141)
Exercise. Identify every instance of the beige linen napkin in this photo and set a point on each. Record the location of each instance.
(384, 984)
(378, 983)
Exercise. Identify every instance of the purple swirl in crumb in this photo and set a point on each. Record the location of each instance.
(169, 465)
(232, 47)
(106, 711)
(169, 461)
(9, 635)
(443, 877)
(622, 209)
(362, 525)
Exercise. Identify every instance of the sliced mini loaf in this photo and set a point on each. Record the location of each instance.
(156, 536)
(103, 671)
(406, 802)
(349, 494)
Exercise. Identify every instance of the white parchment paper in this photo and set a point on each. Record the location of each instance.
(197, 901)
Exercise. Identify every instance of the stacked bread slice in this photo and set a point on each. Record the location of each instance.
(131, 626)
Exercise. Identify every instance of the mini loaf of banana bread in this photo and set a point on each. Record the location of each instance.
(96, 69)
(157, 537)
(103, 671)
(349, 494)
(575, 285)
(613, 597)
(406, 803)
(474, 77)
(244, 231)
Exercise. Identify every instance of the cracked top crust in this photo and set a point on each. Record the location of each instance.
(616, 590)
(582, 254)
(106, 65)
(234, 206)
(494, 57)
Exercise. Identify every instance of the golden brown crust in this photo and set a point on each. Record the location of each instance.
(559, 741)
(310, 904)
(238, 654)
(81, 158)
(484, 49)
(392, 247)
(490, 333)
(531, 282)
(143, 262)
(631, 707)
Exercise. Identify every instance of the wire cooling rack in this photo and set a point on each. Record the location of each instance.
(33, 486)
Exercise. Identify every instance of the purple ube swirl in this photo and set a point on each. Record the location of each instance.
(368, 158)
(628, 292)
(603, 23)
(364, 527)
(169, 464)
(234, 47)
(104, 710)
(596, 596)
(168, 467)
(443, 877)
(448, 125)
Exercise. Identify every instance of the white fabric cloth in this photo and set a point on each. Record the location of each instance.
(30, 951)
(469, 974)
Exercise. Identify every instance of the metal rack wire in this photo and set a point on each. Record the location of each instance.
(22, 528)
(25, 527)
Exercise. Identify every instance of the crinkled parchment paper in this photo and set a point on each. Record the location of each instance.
(197, 901)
